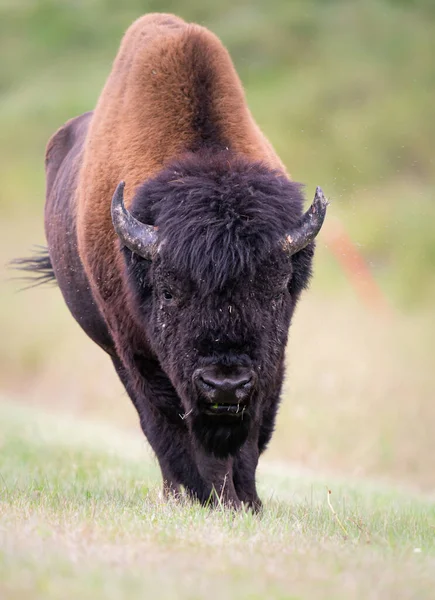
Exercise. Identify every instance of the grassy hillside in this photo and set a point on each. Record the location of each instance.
(81, 516)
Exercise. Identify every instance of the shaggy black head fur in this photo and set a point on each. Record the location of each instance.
(219, 217)
(222, 290)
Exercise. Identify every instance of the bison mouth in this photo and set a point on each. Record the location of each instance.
(225, 409)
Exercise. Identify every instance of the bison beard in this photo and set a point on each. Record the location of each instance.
(190, 290)
(223, 439)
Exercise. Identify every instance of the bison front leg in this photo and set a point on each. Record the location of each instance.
(244, 468)
(169, 438)
(217, 473)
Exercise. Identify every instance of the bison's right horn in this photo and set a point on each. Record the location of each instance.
(138, 237)
(309, 226)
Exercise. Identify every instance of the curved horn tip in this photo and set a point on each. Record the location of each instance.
(135, 235)
(120, 187)
(118, 198)
(309, 226)
(320, 197)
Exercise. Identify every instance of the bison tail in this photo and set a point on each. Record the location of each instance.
(37, 268)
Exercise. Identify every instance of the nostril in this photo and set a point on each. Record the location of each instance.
(241, 383)
(247, 384)
(206, 384)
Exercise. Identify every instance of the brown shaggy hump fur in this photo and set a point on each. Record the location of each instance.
(172, 88)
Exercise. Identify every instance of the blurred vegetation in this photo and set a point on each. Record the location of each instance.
(344, 89)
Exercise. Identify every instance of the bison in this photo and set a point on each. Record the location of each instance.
(180, 246)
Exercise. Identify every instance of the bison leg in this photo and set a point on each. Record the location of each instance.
(218, 475)
(168, 437)
(171, 487)
(204, 477)
(245, 465)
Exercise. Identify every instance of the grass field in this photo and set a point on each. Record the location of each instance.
(81, 517)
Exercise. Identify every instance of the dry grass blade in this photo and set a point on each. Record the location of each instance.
(335, 514)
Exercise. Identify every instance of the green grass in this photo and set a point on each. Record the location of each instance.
(81, 516)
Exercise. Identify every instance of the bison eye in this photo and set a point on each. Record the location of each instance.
(167, 295)
(280, 293)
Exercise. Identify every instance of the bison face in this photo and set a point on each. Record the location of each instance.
(221, 348)
(213, 284)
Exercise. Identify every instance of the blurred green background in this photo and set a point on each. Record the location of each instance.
(345, 91)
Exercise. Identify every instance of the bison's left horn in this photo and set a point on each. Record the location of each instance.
(309, 225)
(138, 237)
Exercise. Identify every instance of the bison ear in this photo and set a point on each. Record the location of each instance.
(309, 225)
(302, 270)
(138, 237)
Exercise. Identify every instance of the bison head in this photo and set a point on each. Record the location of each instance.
(217, 252)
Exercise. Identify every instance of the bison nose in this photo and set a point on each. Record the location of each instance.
(228, 388)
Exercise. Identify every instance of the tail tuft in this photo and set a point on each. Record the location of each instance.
(38, 268)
